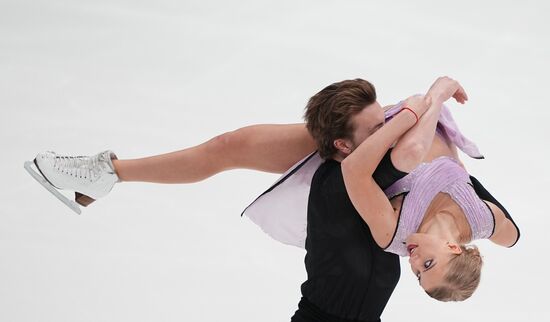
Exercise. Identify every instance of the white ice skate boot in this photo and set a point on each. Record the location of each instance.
(90, 177)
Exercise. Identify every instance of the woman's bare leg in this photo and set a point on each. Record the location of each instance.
(266, 147)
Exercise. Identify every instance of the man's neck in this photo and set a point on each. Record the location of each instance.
(339, 157)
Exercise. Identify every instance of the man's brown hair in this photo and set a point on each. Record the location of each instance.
(328, 112)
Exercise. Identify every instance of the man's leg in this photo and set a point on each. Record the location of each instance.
(266, 147)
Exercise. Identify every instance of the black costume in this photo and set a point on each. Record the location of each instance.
(350, 278)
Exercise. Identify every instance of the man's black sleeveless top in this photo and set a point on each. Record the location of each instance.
(349, 275)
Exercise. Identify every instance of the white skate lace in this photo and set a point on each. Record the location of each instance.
(84, 167)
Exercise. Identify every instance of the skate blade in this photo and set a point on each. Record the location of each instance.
(71, 204)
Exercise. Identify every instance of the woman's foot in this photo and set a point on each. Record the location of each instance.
(90, 177)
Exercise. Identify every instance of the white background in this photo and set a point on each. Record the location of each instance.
(148, 77)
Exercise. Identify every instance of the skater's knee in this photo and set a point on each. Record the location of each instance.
(229, 142)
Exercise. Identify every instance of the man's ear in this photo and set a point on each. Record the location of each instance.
(343, 145)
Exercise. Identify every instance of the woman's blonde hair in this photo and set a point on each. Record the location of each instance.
(462, 277)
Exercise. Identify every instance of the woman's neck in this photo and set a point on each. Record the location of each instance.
(445, 219)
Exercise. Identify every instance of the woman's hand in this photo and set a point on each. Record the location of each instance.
(444, 88)
(419, 104)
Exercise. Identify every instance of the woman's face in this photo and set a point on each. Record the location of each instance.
(429, 258)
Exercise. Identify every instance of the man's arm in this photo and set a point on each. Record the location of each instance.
(358, 167)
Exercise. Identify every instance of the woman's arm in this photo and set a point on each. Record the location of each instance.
(413, 147)
(506, 233)
(358, 167)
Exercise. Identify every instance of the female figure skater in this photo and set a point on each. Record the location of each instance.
(432, 211)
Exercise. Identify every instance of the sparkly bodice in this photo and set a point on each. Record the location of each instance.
(443, 174)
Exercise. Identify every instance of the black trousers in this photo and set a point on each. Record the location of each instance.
(308, 312)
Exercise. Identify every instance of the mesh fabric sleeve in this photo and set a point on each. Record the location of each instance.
(485, 195)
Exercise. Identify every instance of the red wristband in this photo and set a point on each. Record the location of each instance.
(408, 108)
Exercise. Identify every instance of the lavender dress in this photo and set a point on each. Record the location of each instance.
(443, 174)
(281, 211)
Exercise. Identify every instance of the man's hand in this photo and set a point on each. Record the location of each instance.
(444, 88)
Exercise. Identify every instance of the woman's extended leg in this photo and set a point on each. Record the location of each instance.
(265, 147)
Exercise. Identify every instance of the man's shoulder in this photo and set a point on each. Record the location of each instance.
(328, 168)
(328, 177)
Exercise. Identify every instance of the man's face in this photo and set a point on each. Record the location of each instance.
(366, 122)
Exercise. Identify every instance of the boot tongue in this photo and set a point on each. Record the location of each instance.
(108, 156)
